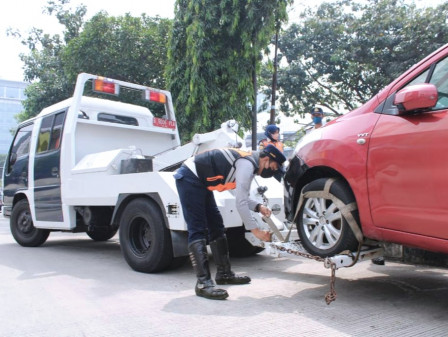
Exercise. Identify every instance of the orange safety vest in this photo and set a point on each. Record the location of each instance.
(265, 142)
(216, 168)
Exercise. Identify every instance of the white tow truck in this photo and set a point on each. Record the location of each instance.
(99, 165)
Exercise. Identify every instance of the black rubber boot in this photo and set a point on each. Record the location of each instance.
(224, 275)
(205, 287)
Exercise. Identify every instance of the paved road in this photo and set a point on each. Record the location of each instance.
(72, 286)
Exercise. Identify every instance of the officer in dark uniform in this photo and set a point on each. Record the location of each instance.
(220, 170)
(317, 114)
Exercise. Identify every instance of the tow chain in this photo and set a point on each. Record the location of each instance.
(331, 295)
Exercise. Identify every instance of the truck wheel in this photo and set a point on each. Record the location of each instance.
(145, 241)
(102, 234)
(320, 224)
(22, 228)
(98, 218)
(238, 245)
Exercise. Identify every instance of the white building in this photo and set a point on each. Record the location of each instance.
(12, 93)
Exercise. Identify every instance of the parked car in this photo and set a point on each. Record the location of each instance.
(384, 164)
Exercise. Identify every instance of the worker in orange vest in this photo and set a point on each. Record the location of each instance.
(272, 133)
(196, 180)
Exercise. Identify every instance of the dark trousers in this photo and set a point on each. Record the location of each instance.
(199, 207)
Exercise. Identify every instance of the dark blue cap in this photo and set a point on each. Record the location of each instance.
(276, 155)
(270, 129)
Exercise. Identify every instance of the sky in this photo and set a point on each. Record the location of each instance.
(26, 14)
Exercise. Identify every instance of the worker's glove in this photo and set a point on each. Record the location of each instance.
(262, 235)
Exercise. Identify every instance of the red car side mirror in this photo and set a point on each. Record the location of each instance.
(416, 97)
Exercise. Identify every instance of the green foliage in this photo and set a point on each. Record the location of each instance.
(128, 48)
(342, 53)
(214, 47)
(43, 65)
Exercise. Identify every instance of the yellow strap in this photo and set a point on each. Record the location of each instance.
(345, 209)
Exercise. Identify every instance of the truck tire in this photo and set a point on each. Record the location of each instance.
(102, 234)
(145, 241)
(238, 245)
(322, 229)
(98, 219)
(22, 227)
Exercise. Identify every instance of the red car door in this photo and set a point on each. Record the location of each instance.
(407, 166)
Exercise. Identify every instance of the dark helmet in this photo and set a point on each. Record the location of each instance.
(270, 129)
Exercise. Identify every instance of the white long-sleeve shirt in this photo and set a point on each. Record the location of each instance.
(244, 174)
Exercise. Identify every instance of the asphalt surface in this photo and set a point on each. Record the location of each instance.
(73, 286)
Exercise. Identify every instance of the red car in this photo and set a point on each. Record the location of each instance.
(381, 169)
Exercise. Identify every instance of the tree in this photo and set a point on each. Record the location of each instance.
(127, 48)
(43, 65)
(214, 51)
(132, 49)
(342, 53)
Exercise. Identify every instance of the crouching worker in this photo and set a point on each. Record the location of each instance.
(220, 170)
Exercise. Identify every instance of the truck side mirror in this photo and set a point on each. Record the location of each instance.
(416, 97)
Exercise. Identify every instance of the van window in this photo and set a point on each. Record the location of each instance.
(50, 132)
(21, 144)
(57, 131)
(44, 134)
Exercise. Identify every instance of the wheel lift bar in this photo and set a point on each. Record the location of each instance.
(281, 246)
(295, 248)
